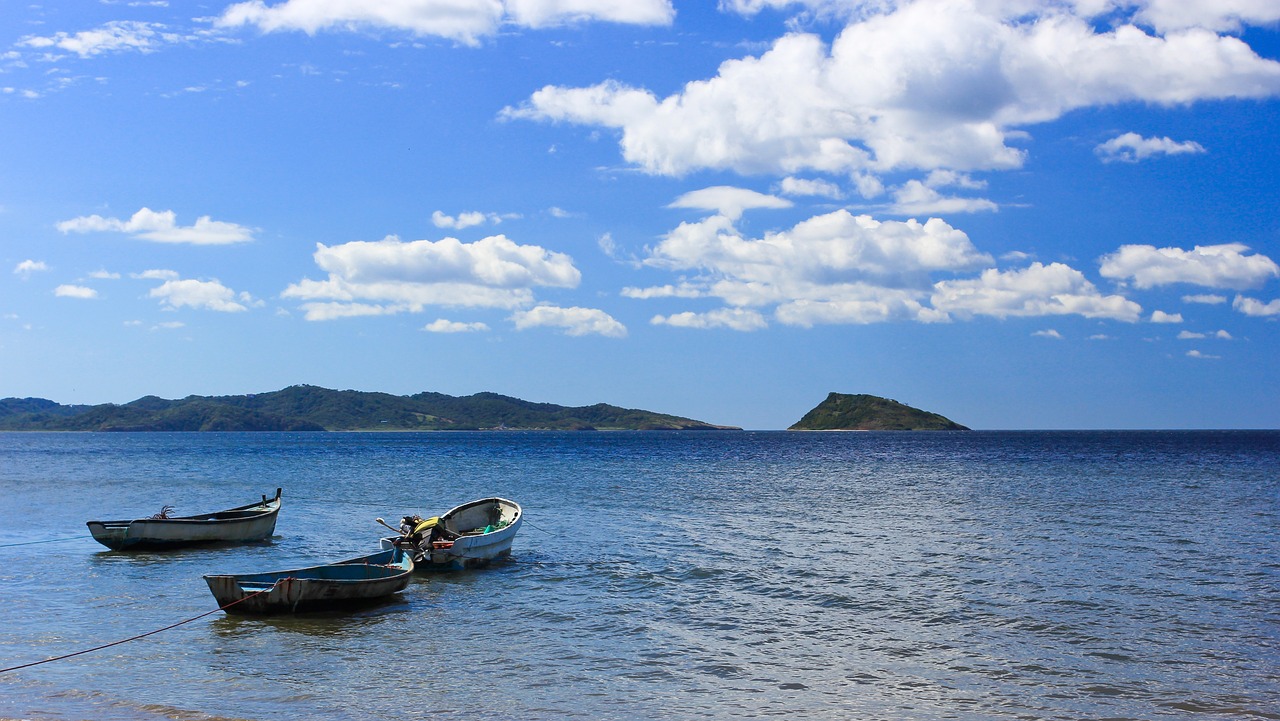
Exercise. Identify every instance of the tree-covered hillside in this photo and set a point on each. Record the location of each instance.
(843, 412)
(310, 408)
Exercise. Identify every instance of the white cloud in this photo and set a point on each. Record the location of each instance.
(467, 220)
(1162, 15)
(574, 321)
(684, 290)
(1189, 335)
(156, 274)
(1206, 299)
(923, 85)
(440, 325)
(917, 198)
(1212, 266)
(200, 294)
(1048, 333)
(104, 275)
(1255, 307)
(543, 13)
(1159, 316)
(162, 227)
(858, 303)
(112, 37)
(169, 325)
(75, 291)
(832, 268)
(740, 319)
(1220, 15)
(1198, 354)
(823, 250)
(1036, 290)
(810, 187)
(464, 21)
(393, 276)
(607, 245)
(27, 267)
(1100, 336)
(728, 201)
(1131, 148)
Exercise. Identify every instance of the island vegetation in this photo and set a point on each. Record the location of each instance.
(311, 408)
(845, 412)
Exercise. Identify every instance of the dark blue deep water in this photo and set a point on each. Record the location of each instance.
(724, 575)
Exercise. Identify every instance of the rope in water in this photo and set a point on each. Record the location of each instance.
(51, 540)
(132, 638)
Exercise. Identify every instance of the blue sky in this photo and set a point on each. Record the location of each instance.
(1018, 214)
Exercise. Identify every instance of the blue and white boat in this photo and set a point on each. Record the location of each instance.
(467, 536)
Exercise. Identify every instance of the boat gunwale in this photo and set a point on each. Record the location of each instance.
(269, 506)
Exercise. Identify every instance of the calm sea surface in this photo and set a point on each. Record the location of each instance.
(984, 575)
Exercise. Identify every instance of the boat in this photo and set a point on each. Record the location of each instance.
(468, 536)
(343, 584)
(244, 524)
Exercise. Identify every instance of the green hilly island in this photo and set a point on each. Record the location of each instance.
(310, 408)
(844, 412)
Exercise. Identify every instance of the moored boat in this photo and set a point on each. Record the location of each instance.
(342, 584)
(243, 524)
(467, 536)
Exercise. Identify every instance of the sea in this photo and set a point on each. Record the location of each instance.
(664, 575)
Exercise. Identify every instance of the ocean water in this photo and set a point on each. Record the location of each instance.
(721, 575)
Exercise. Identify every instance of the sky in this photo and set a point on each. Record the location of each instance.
(1018, 214)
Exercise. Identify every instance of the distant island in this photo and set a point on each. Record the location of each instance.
(311, 408)
(843, 412)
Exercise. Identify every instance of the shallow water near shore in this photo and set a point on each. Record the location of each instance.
(1056, 575)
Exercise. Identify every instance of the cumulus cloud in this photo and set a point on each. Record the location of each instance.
(440, 325)
(825, 249)
(113, 37)
(741, 319)
(1054, 289)
(1159, 316)
(1198, 354)
(917, 197)
(919, 86)
(75, 291)
(832, 268)
(1213, 266)
(463, 21)
(200, 294)
(1048, 333)
(1255, 307)
(393, 276)
(1131, 148)
(573, 321)
(27, 267)
(104, 275)
(728, 201)
(162, 227)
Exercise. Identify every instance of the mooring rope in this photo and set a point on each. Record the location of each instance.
(50, 540)
(133, 638)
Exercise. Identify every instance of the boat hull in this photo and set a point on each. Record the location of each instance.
(245, 524)
(353, 582)
(472, 549)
